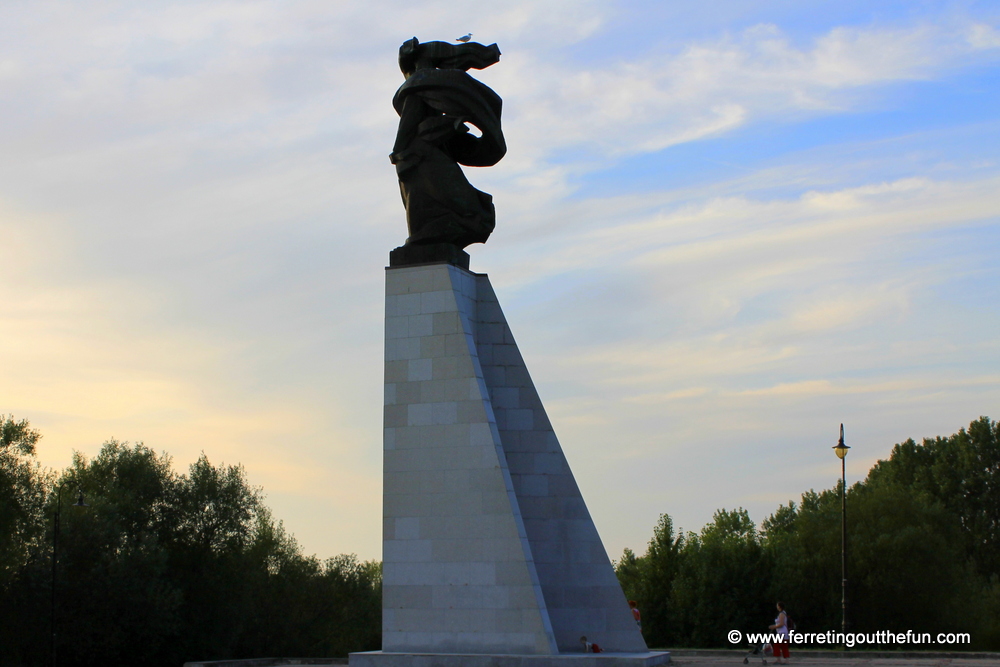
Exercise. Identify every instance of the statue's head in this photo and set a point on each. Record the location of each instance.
(414, 56)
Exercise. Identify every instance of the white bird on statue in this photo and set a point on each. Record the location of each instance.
(464, 38)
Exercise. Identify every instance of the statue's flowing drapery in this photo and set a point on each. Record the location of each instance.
(434, 105)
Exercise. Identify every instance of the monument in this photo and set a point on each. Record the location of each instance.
(490, 557)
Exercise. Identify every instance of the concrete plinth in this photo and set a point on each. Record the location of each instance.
(380, 659)
(488, 547)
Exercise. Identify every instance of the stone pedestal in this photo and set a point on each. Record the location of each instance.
(488, 547)
(381, 659)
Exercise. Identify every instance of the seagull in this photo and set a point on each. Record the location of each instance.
(464, 38)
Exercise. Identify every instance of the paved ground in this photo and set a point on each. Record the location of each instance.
(710, 658)
(829, 659)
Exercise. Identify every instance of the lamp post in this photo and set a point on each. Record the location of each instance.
(841, 450)
(55, 561)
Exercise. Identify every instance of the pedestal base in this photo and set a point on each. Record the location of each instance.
(383, 659)
(429, 253)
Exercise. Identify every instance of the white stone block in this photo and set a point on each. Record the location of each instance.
(395, 371)
(446, 323)
(402, 348)
(394, 416)
(481, 435)
(396, 327)
(437, 302)
(456, 480)
(454, 435)
(402, 482)
(505, 397)
(419, 414)
(520, 420)
(419, 370)
(444, 413)
(406, 528)
(433, 346)
(395, 283)
(549, 463)
(441, 279)
(402, 304)
(491, 333)
(419, 325)
(432, 391)
(408, 597)
(533, 485)
(433, 481)
(410, 551)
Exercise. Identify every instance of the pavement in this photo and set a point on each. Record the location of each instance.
(695, 658)
(730, 658)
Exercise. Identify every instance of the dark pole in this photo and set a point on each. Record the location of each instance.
(55, 559)
(843, 537)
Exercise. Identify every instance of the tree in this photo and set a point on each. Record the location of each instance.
(962, 473)
(957, 478)
(116, 582)
(804, 544)
(663, 560)
(722, 581)
(24, 487)
(164, 568)
(923, 543)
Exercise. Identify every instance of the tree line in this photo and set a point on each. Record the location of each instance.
(161, 568)
(923, 554)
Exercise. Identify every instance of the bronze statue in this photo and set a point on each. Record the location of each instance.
(444, 213)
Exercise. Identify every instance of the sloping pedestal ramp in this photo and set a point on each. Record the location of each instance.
(490, 557)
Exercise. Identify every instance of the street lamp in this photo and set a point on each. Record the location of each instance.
(55, 559)
(841, 450)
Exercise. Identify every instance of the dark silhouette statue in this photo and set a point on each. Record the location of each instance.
(436, 104)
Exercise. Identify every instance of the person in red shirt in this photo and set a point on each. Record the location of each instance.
(635, 613)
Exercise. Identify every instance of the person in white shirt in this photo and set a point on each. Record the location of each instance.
(780, 627)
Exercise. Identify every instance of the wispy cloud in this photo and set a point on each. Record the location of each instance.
(708, 88)
(196, 205)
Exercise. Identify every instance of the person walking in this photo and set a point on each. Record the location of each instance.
(780, 628)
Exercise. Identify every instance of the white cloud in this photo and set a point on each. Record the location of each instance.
(708, 88)
(982, 36)
(197, 205)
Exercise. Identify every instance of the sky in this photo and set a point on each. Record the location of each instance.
(723, 229)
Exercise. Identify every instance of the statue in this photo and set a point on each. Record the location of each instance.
(444, 213)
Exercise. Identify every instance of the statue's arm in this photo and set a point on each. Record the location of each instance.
(414, 110)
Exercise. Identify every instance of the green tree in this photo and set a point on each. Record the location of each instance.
(957, 480)
(722, 582)
(663, 560)
(630, 570)
(649, 580)
(907, 561)
(923, 549)
(24, 487)
(962, 473)
(163, 568)
(804, 544)
(119, 603)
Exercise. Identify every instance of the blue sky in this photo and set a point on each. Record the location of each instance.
(723, 229)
